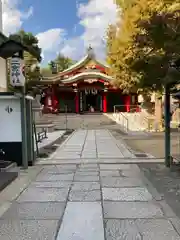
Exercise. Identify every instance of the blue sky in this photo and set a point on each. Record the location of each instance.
(60, 13)
(65, 26)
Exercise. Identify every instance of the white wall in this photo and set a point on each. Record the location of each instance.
(10, 123)
(3, 77)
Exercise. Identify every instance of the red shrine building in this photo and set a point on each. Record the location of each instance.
(84, 87)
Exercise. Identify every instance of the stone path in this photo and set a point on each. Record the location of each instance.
(90, 144)
(89, 201)
(93, 146)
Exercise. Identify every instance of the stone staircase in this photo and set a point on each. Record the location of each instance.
(136, 121)
(78, 121)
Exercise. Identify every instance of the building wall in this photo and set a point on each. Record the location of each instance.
(3, 75)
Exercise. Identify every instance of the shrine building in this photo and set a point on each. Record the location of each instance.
(85, 86)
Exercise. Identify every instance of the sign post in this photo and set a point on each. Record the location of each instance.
(17, 79)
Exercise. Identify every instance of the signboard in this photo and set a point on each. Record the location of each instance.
(91, 91)
(17, 78)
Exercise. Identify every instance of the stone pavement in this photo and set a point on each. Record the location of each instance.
(88, 201)
(93, 146)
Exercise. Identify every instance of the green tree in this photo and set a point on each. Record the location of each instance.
(63, 62)
(46, 72)
(32, 70)
(144, 43)
(147, 40)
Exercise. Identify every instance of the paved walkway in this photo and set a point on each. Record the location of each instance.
(89, 201)
(91, 144)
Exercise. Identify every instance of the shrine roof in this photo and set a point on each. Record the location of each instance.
(86, 75)
(79, 76)
(89, 57)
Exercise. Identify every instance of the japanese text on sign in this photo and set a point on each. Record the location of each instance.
(16, 72)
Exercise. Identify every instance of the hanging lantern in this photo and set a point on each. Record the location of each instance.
(140, 99)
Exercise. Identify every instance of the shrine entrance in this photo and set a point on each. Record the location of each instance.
(91, 100)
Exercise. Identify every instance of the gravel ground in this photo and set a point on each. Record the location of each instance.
(152, 143)
(166, 182)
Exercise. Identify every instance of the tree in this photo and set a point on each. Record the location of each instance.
(46, 71)
(146, 40)
(63, 62)
(143, 44)
(32, 70)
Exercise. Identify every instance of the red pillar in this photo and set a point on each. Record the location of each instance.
(104, 102)
(77, 102)
(54, 100)
(128, 103)
(53, 97)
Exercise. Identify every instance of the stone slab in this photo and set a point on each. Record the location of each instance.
(116, 166)
(160, 229)
(87, 186)
(52, 184)
(28, 229)
(132, 210)
(121, 230)
(85, 196)
(35, 211)
(88, 170)
(66, 166)
(89, 225)
(91, 166)
(86, 173)
(44, 195)
(109, 173)
(126, 194)
(55, 177)
(86, 178)
(57, 171)
(121, 182)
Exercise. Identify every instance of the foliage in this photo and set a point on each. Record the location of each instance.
(143, 43)
(60, 63)
(46, 72)
(63, 62)
(32, 70)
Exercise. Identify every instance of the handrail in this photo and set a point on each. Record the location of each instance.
(132, 107)
(125, 121)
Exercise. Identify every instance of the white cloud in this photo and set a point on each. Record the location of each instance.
(51, 40)
(12, 16)
(95, 16)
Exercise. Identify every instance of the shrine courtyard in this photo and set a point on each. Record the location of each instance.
(93, 187)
